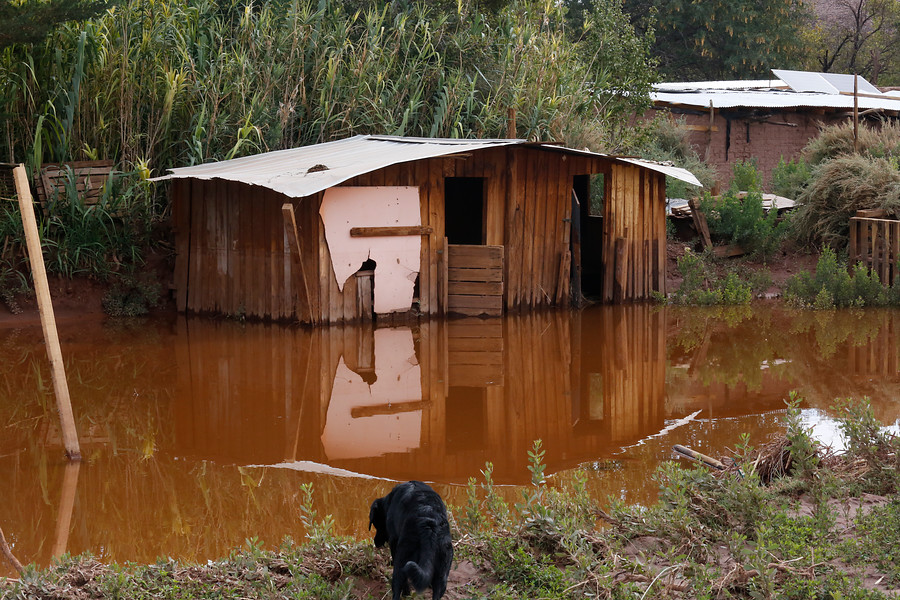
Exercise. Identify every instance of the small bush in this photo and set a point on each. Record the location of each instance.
(744, 222)
(832, 286)
(701, 287)
(746, 177)
(790, 178)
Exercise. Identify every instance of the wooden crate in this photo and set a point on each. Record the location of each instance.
(90, 177)
(876, 244)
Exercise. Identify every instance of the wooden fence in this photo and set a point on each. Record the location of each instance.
(876, 244)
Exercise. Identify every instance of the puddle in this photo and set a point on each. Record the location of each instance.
(198, 434)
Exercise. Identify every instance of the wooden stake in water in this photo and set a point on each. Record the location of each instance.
(48, 320)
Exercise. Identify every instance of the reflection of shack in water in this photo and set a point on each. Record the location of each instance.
(434, 402)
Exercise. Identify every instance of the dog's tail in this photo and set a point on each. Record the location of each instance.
(419, 575)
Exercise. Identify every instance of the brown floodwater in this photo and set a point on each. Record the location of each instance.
(199, 434)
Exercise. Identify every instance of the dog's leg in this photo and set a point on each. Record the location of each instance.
(399, 583)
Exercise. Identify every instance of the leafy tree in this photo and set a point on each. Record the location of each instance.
(722, 39)
(856, 36)
(29, 21)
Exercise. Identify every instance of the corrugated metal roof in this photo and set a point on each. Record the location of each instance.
(304, 171)
(772, 99)
(793, 89)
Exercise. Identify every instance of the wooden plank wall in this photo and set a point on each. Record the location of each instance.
(240, 263)
(634, 234)
(538, 225)
(876, 243)
(475, 280)
(239, 260)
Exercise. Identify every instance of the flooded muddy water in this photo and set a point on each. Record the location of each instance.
(198, 434)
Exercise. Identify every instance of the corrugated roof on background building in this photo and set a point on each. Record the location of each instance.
(307, 170)
(791, 89)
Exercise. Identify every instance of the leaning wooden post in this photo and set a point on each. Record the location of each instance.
(48, 320)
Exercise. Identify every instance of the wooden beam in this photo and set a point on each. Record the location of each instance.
(306, 314)
(390, 231)
(48, 319)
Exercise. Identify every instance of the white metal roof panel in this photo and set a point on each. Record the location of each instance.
(773, 99)
(304, 171)
(692, 86)
(829, 83)
(307, 170)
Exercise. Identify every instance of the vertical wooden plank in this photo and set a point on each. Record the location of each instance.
(623, 230)
(852, 250)
(181, 217)
(436, 209)
(895, 251)
(530, 280)
(660, 201)
(195, 283)
(609, 234)
(421, 172)
(555, 223)
(512, 238)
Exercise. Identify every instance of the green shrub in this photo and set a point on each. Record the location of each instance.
(701, 287)
(746, 177)
(744, 222)
(789, 178)
(832, 286)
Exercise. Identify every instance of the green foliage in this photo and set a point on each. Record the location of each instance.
(132, 295)
(741, 219)
(701, 287)
(866, 438)
(789, 178)
(832, 286)
(721, 39)
(189, 82)
(803, 448)
(30, 21)
(746, 176)
(668, 140)
(95, 239)
(878, 540)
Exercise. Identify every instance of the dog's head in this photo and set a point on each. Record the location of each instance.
(377, 516)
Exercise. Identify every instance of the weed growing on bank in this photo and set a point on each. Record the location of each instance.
(786, 519)
(701, 286)
(833, 286)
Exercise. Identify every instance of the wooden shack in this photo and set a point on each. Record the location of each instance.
(376, 224)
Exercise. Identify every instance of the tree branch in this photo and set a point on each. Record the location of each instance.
(7, 552)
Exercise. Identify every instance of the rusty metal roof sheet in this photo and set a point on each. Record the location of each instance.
(307, 170)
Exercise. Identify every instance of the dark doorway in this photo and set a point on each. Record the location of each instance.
(464, 210)
(591, 191)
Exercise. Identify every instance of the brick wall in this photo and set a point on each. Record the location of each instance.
(779, 135)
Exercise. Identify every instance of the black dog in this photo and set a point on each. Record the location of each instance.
(412, 519)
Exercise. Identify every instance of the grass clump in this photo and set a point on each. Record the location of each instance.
(833, 286)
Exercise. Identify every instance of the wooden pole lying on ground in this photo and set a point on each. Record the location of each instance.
(4, 547)
(48, 320)
(706, 460)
